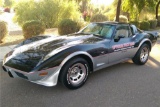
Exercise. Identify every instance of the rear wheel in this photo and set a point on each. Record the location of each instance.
(74, 73)
(142, 55)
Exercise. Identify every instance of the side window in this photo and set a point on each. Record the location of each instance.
(122, 30)
(134, 29)
(130, 32)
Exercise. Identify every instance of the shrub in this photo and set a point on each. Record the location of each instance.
(8, 2)
(122, 18)
(98, 18)
(144, 25)
(32, 28)
(110, 16)
(67, 26)
(3, 30)
(136, 23)
(49, 12)
(153, 24)
(82, 24)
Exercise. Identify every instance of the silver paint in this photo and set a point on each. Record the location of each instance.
(144, 40)
(76, 73)
(100, 64)
(52, 80)
(144, 54)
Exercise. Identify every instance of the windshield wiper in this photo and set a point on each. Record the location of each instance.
(98, 35)
(83, 33)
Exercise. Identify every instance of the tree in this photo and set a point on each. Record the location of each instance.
(157, 9)
(8, 3)
(49, 12)
(118, 10)
(83, 4)
(136, 6)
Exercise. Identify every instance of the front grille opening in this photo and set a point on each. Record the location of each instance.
(21, 75)
(4, 69)
(9, 73)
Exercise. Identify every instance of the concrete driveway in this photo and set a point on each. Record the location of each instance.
(8, 17)
(121, 85)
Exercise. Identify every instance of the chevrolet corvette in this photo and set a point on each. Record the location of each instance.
(70, 59)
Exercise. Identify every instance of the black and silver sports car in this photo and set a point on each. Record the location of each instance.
(70, 58)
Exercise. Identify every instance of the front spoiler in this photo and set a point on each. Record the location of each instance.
(49, 80)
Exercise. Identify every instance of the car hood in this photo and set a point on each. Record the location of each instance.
(29, 55)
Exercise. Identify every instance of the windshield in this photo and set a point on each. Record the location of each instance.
(101, 30)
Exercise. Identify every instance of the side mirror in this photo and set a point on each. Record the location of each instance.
(121, 36)
(118, 38)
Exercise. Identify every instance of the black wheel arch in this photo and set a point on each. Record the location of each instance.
(149, 44)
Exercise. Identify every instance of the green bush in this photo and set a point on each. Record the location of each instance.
(98, 18)
(32, 28)
(144, 25)
(8, 3)
(49, 12)
(136, 23)
(3, 30)
(153, 24)
(68, 26)
(82, 24)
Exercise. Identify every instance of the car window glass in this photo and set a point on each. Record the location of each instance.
(130, 32)
(107, 31)
(94, 28)
(135, 30)
(98, 29)
(122, 30)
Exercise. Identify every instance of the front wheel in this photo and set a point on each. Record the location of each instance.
(142, 55)
(74, 73)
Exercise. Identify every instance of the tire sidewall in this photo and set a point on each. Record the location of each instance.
(65, 69)
(139, 54)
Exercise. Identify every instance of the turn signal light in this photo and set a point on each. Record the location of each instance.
(43, 74)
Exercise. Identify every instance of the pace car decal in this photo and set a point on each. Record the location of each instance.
(123, 46)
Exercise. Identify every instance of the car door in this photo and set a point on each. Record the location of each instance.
(122, 44)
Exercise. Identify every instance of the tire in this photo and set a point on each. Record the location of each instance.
(74, 73)
(142, 55)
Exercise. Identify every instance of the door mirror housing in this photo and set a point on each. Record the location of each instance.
(118, 38)
(121, 36)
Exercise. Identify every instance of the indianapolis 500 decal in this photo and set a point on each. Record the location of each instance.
(123, 46)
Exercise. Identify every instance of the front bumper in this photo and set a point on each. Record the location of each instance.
(49, 80)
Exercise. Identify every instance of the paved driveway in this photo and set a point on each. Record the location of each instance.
(8, 17)
(121, 85)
